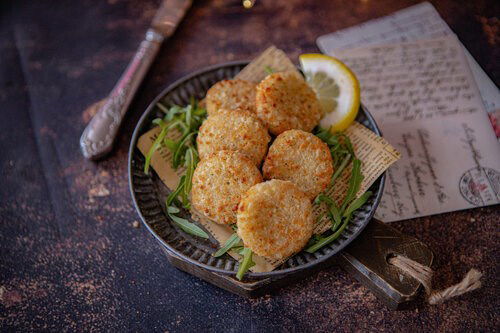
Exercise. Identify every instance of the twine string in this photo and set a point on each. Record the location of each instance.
(423, 274)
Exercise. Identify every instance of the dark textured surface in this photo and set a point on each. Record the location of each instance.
(69, 256)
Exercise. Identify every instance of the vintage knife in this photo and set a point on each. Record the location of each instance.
(98, 137)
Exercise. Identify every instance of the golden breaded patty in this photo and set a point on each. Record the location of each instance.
(218, 183)
(275, 219)
(301, 158)
(237, 130)
(230, 94)
(284, 101)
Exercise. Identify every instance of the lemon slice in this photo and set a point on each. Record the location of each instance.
(337, 89)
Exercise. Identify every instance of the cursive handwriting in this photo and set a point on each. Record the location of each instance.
(469, 140)
(414, 81)
(407, 176)
(430, 162)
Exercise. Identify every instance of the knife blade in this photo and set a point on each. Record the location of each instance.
(98, 137)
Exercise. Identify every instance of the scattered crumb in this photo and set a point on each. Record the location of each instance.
(9, 298)
(472, 219)
(136, 224)
(104, 175)
(98, 191)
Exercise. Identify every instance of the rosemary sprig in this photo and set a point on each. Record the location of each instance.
(322, 241)
(186, 120)
(333, 210)
(191, 159)
(155, 146)
(246, 263)
(187, 226)
(354, 183)
(238, 248)
(172, 209)
(356, 204)
(232, 242)
(172, 197)
(182, 146)
(340, 169)
(235, 243)
(342, 154)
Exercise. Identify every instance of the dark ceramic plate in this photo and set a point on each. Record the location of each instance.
(149, 193)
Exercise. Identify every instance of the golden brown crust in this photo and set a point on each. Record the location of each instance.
(301, 158)
(218, 183)
(237, 130)
(275, 219)
(284, 101)
(230, 94)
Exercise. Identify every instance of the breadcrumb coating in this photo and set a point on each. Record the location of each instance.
(275, 219)
(301, 158)
(218, 183)
(237, 130)
(230, 94)
(284, 101)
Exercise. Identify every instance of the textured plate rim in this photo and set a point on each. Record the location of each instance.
(172, 251)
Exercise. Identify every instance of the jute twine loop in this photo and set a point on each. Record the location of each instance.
(424, 274)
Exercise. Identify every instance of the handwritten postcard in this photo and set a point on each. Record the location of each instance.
(421, 21)
(425, 99)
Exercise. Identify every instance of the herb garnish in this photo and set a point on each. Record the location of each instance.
(268, 70)
(186, 120)
(341, 149)
(342, 154)
(232, 242)
(246, 263)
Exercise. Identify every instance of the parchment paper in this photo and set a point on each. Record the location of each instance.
(375, 153)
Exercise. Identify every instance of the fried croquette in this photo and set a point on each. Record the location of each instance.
(284, 101)
(237, 130)
(275, 219)
(301, 158)
(218, 183)
(230, 94)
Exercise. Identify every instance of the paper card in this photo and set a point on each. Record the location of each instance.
(421, 21)
(425, 100)
(446, 166)
(374, 152)
(273, 58)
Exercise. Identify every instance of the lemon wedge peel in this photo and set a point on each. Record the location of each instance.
(340, 110)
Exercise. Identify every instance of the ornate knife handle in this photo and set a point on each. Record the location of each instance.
(99, 135)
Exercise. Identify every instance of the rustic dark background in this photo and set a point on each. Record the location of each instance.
(70, 258)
